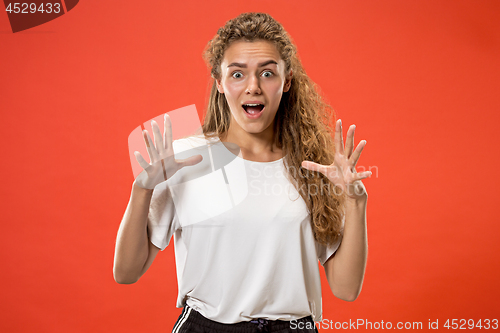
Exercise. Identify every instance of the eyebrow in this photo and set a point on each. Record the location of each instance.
(262, 64)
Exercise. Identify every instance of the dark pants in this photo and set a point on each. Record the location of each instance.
(191, 321)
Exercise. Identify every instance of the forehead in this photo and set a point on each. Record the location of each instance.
(248, 52)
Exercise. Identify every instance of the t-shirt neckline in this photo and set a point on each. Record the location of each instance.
(249, 161)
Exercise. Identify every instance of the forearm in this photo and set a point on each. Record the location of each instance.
(346, 272)
(132, 248)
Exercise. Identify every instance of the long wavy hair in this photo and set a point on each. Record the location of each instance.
(302, 126)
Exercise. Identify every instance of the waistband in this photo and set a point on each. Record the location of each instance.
(256, 325)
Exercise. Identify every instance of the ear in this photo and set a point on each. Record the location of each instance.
(288, 82)
(219, 86)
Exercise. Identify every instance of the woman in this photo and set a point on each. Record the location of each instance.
(250, 263)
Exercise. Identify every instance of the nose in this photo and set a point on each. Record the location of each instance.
(253, 86)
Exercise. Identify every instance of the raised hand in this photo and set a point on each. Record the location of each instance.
(342, 172)
(163, 165)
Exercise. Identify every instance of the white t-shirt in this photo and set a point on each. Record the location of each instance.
(244, 245)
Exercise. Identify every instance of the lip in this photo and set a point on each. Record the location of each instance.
(252, 102)
(254, 116)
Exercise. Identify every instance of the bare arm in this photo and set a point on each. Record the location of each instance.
(346, 269)
(134, 253)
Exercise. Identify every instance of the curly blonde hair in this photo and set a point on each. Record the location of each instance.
(302, 124)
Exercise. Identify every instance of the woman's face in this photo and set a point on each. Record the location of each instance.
(253, 80)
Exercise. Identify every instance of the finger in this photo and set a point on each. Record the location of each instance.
(353, 160)
(312, 166)
(349, 145)
(339, 141)
(153, 154)
(190, 161)
(362, 175)
(167, 135)
(142, 162)
(158, 138)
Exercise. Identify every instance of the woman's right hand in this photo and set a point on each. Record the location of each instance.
(163, 164)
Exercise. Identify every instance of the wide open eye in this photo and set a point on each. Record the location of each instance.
(237, 75)
(267, 74)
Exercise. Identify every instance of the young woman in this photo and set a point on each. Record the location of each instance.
(249, 233)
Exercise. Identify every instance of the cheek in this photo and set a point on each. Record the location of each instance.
(275, 91)
(232, 91)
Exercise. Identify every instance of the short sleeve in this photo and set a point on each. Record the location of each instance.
(325, 252)
(161, 217)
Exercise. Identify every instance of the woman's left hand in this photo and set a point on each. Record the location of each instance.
(342, 172)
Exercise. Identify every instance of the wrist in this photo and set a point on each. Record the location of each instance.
(356, 201)
(140, 190)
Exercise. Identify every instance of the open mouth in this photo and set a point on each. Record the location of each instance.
(253, 108)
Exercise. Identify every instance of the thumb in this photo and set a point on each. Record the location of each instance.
(309, 165)
(191, 160)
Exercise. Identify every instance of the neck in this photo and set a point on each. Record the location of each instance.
(252, 144)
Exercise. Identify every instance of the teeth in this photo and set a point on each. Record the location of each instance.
(249, 105)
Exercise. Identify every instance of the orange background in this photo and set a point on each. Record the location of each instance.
(420, 79)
